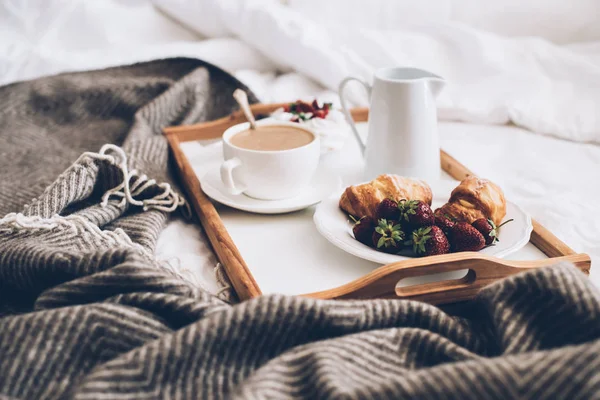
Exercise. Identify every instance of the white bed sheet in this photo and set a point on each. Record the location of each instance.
(557, 181)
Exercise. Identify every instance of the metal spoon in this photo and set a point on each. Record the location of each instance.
(242, 99)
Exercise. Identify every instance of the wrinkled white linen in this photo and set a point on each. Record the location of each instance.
(492, 79)
(43, 37)
(559, 21)
(531, 82)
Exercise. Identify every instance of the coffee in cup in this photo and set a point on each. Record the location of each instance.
(275, 161)
(272, 138)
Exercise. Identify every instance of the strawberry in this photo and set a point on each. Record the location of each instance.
(304, 111)
(388, 236)
(444, 223)
(320, 114)
(488, 229)
(304, 107)
(429, 241)
(416, 213)
(464, 237)
(387, 209)
(363, 229)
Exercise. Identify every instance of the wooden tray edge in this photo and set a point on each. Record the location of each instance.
(227, 252)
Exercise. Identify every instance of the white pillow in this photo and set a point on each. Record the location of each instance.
(42, 37)
(560, 21)
(203, 16)
(80, 25)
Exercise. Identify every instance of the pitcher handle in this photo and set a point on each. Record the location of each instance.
(346, 111)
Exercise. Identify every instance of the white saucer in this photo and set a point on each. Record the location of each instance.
(322, 185)
(334, 225)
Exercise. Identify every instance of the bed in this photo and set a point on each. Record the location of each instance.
(522, 105)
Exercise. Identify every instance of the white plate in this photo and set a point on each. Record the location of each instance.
(335, 226)
(321, 186)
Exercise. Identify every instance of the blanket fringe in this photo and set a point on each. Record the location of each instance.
(224, 283)
(166, 201)
(18, 221)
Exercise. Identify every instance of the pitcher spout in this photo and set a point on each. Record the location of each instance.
(436, 85)
(407, 75)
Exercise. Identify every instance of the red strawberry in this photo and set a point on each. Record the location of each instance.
(363, 229)
(388, 209)
(444, 223)
(429, 241)
(320, 114)
(416, 213)
(488, 229)
(464, 237)
(388, 236)
(304, 107)
(305, 111)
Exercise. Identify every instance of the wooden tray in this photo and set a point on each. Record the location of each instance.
(381, 282)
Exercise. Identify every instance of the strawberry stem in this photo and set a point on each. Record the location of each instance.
(505, 222)
(353, 218)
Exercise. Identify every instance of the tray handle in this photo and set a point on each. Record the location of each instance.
(482, 270)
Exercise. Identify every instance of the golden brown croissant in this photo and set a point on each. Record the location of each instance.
(475, 198)
(362, 200)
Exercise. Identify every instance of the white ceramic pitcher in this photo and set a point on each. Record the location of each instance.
(403, 137)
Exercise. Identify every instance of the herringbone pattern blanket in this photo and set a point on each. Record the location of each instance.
(86, 312)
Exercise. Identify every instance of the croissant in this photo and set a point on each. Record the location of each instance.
(475, 198)
(362, 200)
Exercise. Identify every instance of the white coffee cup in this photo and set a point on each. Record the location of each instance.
(272, 174)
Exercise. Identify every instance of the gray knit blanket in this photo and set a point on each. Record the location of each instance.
(86, 311)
